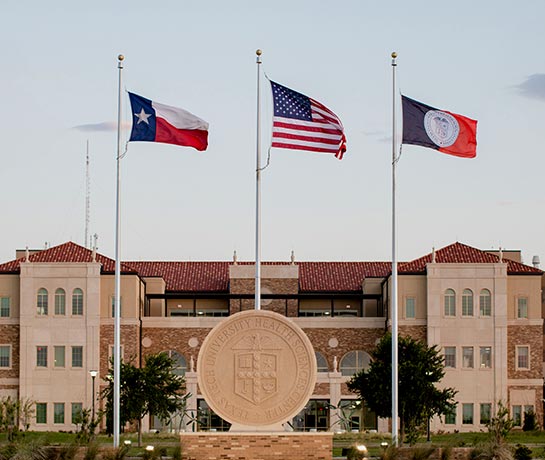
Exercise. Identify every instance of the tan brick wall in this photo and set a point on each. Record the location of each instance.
(531, 336)
(416, 332)
(257, 446)
(9, 335)
(164, 339)
(321, 389)
(348, 340)
(130, 338)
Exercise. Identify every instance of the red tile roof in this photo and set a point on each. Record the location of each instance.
(313, 276)
(187, 276)
(463, 254)
(339, 276)
(67, 252)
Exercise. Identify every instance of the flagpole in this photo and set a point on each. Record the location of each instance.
(117, 309)
(258, 192)
(394, 313)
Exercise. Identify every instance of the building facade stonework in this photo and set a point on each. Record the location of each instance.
(481, 309)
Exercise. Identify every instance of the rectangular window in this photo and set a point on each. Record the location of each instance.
(120, 306)
(450, 356)
(77, 410)
(58, 413)
(5, 356)
(41, 412)
(410, 307)
(4, 307)
(467, 414)
(522, 307)
(486, 410)
(77, 356)
(77, 302)
(450, 417)
(59, 356)
(517, 415)
(523, 358)
(467, 357)
(485, 357)
(41, 356)
(60, 302)
(450, 303)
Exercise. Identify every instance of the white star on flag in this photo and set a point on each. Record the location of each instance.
(143, 116)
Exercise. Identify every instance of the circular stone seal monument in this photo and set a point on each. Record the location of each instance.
(256, 369)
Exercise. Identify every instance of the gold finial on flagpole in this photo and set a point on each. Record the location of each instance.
(120, 57)
(258, 52)
(394, 55)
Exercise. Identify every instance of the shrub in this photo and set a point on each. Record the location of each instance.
(530, 421)
(523, 453)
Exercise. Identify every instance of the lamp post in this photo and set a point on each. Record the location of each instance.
(93, 377)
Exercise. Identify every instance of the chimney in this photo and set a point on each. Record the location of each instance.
(535, 261)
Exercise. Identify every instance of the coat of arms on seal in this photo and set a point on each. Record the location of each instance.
(441, 127)
(256, 368)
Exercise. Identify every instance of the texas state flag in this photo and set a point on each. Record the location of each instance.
(154, 122)
(437, 129)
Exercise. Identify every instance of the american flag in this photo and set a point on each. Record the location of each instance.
(302, 123)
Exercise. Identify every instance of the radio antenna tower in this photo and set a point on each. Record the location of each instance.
(87, 197)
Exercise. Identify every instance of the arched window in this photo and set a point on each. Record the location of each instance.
(77, 302)
(354, 361)
(467, 302)
(321, 362)
(60, 302)
(450, 302)
(180, 364)
(42, 302)
(485, 303)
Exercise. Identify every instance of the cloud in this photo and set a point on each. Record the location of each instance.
(533, 87)
(102, 127)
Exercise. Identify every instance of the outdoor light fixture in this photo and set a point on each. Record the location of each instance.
(128, 442)
(384, 444)
(361, 448)
(150, 448)
(93, 375)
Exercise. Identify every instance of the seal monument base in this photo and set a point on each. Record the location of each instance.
(257, 370)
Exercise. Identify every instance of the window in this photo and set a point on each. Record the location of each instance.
(113, 306)
(467, 414)
(77, 356)
(77, 302)
(59, 356)
(467, 357)
(517, 415)
(41, 412)
(522, 307)
(58, 413)
(486, 410)
(314, 416)
(5, 355)
(180, 363)
(354, 361)
(41, 302)
(321, 362)
(523, 355)
(77, 412)
(450, 417)
(450, 303)
(4, 307)
(410, 307)
(450, 356)
(467, 302)
(485, 303)
(41, 356)
(485, 357)
(60, 302)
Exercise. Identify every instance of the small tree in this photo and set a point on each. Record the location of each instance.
(419, 368)
(152, 389)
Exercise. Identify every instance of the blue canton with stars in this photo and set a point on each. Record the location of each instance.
(143, 119)
(290, 104)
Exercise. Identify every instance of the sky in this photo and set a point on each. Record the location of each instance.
(59, 84)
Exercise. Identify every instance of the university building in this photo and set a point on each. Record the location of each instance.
(483, 309)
